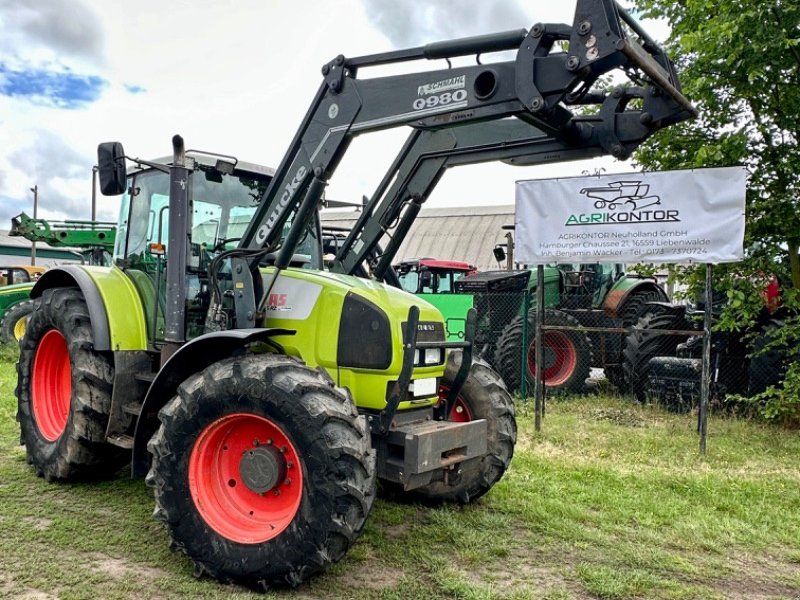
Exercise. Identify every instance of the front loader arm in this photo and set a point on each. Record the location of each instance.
(428, 153)
(541, 87)
(535, 87)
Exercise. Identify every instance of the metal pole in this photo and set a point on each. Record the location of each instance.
(705, 383)
(94, 193)
(523, 351)
(35, 190)
(539, 387)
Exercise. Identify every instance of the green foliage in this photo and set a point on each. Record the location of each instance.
(739, 63)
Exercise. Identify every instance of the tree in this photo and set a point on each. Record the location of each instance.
(740, 65)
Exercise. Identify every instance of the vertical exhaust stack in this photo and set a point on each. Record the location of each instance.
(177, 249)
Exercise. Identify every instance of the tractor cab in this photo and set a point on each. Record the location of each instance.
(431, 276)
(221, 204)
(587, 285)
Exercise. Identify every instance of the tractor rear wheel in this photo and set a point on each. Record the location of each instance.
(643, 343)
(568, 354)
(64, 392)
(483, 396)
(633, 309)
(263, 470)
(12, 327)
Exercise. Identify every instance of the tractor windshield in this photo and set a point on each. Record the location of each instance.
(222, 206)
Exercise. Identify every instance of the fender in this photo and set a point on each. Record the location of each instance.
(189, 359)
(624, 288)
(115, 309)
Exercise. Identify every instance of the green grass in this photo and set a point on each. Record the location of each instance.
(610, 501)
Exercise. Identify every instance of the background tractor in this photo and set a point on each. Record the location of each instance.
(261, 395)
(585, 295)
(93, 242)
(16, 284)
(663, 360)
(434, 280)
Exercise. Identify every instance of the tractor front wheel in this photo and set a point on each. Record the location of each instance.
(567, 360)
(12, 327)
(263, 470)
(483, 396)
(64, 392)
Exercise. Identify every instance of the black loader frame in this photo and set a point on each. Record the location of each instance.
(453, 127)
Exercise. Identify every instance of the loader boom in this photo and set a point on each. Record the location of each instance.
(542, 88)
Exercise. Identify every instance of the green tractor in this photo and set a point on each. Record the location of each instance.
(575, 297)
(434, 281)
(16, 284)
(263, 443)
(92, 238)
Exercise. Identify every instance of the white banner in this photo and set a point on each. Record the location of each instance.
(665, 217)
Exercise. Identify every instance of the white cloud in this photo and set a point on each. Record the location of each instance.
(232, 77)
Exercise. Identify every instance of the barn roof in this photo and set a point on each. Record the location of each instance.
(458, 233)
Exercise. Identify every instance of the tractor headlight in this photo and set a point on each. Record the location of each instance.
(429, 356)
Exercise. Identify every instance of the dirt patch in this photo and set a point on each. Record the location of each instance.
(626, 418)
(119, 568)
(8, 589)
(758, 578)
(37, 523)
(371, 575)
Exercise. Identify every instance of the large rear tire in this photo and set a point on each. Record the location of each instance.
(263, 470)
(643, 343)
(568, 354)
(483, 396)
(634, 308)
(14, 322)
(64, 392)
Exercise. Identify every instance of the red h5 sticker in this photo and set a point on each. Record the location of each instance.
(276, 301)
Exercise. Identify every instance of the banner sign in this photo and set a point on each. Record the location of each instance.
(658, 217)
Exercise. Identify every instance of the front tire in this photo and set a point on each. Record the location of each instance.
(263, 470)
(14, 322)
(568, 354)
(64, 392)
(643, 343)
(483, 396)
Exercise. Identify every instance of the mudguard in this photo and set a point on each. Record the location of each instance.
(115, 308)
(627, 286)
(189, 359)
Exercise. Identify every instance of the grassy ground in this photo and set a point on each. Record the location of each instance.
(610, 501)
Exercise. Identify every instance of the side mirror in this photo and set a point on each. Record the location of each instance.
(499, 254)
(111, 168)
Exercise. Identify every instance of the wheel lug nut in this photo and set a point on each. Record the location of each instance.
(289, 464)
(287, 481)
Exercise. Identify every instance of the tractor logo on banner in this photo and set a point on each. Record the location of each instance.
(631, 195)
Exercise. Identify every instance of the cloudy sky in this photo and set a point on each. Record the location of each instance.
(232, 77)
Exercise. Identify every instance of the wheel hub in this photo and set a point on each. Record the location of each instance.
(549, 357)
(262, 468)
